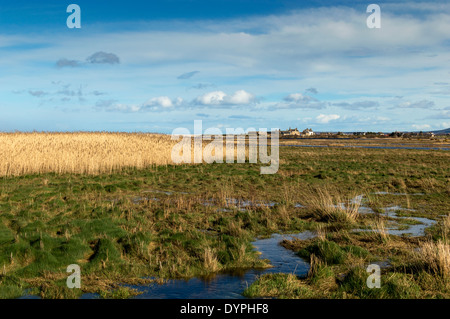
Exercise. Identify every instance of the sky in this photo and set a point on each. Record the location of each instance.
(154, 66)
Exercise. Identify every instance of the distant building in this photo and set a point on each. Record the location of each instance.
(308, 132)
(290, 132)
(296, 132)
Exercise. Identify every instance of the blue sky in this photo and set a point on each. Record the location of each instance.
(154, 66)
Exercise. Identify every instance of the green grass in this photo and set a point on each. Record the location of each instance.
(105, 224)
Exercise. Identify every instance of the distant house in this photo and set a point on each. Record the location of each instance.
(290, 132)
(296, 132)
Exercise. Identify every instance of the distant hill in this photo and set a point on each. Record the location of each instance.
(444, 131)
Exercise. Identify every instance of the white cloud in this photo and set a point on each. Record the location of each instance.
(241, 97)
(298, 98)
(218, 98)
(212, 98)
(161, 103)
(326, 118)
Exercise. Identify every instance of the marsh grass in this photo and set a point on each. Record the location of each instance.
(279, 286)
(435, 258)
(210, 261)
(331, 276)
(328, 205)
(133, 223)
(320, 275)
(446, 227)
(378, 231)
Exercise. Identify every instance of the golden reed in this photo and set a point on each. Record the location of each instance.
(81, 152)
(85, 152)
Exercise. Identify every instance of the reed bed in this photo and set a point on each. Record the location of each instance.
(89, 152)
(81, 152)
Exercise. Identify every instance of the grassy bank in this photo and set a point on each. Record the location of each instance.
(184, 221)
(410, 268)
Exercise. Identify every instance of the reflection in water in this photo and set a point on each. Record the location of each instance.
(231, 285)
(415, 230)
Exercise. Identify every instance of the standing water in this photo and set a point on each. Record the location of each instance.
(231, 285)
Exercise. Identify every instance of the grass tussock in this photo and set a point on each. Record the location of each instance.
(435, 258)
(210, 260)
(328, 204)
(378, 231)
(284, 286)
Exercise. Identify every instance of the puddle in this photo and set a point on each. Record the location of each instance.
(413, 230)
(398, 194)
(227, 285)
(241, 205)
(231, 285)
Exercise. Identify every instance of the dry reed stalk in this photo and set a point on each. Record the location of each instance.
(326, 205)
(379, 230)
(81, 152)
(321, 232)
(315, 264)
(435, 256)
(446, 226)
(210, 261)
(85, 152)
